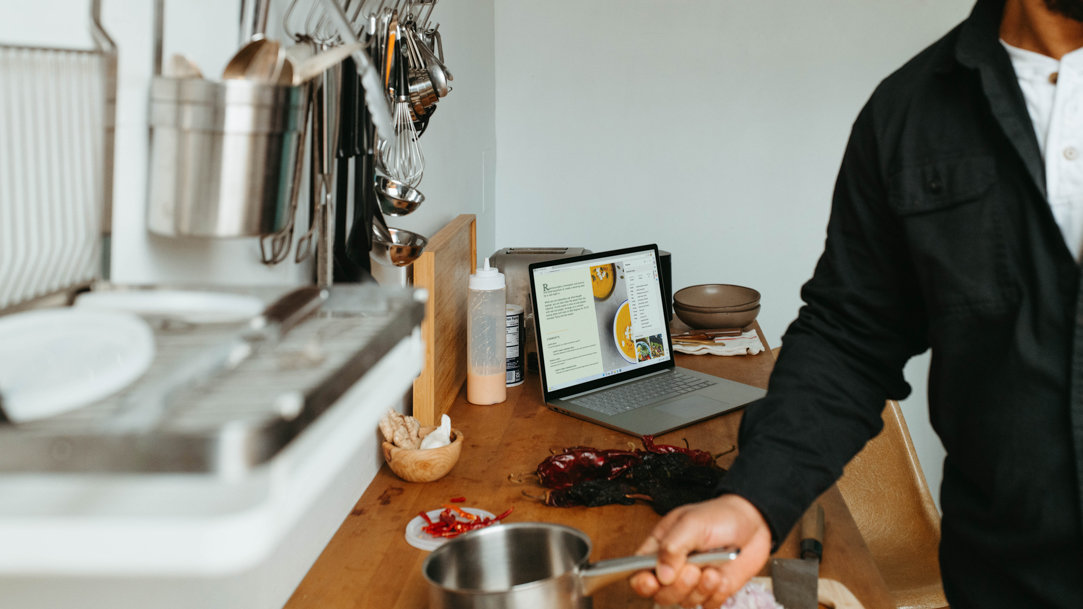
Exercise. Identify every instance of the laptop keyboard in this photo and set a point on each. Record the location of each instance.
(629, 396)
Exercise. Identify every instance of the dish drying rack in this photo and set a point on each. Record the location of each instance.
(57, 118)
(235, 421)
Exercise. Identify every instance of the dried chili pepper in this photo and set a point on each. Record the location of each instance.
(674, 479)
(579, 463)
(664, 475)
(699, 457)
(590, 493)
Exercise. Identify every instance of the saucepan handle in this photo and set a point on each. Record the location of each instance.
(600, 574)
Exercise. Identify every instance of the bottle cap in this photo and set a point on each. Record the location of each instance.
(487, 278)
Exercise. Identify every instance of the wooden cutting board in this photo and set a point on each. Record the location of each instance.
(444, 269)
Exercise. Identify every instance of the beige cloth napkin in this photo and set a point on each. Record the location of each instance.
(748, 343)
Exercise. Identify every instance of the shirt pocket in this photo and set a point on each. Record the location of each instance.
(954, 228)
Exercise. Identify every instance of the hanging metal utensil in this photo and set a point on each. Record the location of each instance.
(315, 182)
(359, 240)
(438, 72)
(400, 157)
(348, 145)
(375, 99)
(253, 18)
(275, 248)
(325, 127)
(422, 93)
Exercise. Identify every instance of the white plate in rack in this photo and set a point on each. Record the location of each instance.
(418, 538)
(56, 360)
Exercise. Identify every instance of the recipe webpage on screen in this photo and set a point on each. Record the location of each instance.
(591, 329)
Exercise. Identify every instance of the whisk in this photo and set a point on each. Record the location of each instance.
(400, 157)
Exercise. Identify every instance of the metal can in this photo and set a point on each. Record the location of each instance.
(515, 329)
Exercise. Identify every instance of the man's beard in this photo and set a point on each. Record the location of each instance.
(1072, 9)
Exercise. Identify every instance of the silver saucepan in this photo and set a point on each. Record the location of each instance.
(526, 565)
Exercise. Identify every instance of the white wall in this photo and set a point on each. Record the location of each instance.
(713, 127)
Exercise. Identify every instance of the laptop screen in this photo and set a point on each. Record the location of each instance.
(598, 316)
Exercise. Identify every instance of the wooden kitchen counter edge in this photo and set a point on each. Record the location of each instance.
(368, 562)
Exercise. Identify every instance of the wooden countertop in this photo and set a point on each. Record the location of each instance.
(369, 564)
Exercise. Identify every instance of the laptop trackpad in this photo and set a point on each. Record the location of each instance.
(692, 406)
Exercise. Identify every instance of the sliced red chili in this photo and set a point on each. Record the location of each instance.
(458, 499)
(461, 512)
(449, 524)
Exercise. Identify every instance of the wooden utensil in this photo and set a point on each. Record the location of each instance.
(705, 335)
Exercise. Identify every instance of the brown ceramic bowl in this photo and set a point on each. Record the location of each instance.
(416, 465)
(716, 320)
(716, 297)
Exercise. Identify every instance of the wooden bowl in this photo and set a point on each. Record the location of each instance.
(716, 297)
(416, 465)
(717, 320)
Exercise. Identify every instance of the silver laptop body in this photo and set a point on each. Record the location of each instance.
(604, 350)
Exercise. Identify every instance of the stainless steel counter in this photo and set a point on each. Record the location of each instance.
(236, 420)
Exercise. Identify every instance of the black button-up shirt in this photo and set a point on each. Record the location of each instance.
(941, 238)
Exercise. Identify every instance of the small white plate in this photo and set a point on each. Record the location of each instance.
(56, 360)
(181, 305)
(418, 538)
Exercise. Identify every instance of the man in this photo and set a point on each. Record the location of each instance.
(956, 226)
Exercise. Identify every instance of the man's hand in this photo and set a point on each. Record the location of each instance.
(729, 520)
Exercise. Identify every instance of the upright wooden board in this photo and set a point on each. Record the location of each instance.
(444, 269)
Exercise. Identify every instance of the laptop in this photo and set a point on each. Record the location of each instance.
(604, 351)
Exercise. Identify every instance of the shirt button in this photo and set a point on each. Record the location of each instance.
(935, 186)
(1071, 153)
(1053, 77)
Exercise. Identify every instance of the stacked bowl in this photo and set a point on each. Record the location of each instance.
(716, 305)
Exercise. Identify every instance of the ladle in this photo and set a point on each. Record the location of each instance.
(402, 248)
(397, 198)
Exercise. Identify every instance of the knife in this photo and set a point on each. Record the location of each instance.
(794, 581)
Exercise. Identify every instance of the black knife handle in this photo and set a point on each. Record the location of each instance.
(812, 532)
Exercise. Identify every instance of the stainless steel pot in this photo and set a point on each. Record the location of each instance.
(222, 156)
(525, 565)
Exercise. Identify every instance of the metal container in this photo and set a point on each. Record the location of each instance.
(516, 332)
(222, 156)
(525, 565)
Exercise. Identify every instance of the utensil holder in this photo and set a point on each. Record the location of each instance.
(222, 156)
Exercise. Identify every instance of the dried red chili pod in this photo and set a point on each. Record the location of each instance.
(580, 463)
(699, 457)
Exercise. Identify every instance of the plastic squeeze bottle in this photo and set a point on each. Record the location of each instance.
(486, 341)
